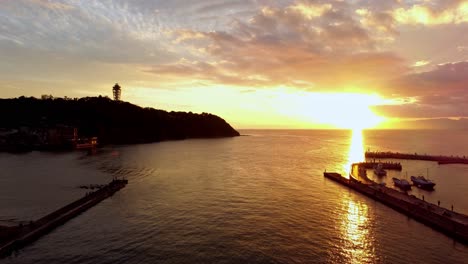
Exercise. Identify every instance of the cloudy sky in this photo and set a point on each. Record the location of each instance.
(256, 63)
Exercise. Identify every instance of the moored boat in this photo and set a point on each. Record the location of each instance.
(402, 184)
(379, 171)
(422, 182)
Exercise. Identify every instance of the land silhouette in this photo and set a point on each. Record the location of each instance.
(113, 122)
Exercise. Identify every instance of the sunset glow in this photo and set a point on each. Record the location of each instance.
(233, 131)
(274, 64)
(339, 110)
(356, 150)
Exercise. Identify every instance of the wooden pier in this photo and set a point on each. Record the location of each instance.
(449, 222)
(407, 156)
(14, 238)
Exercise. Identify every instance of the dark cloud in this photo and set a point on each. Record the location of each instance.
(448, 80)
(441, 92)
(432, 123)
(422, 109)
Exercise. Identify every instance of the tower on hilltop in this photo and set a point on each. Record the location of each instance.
(117, 91)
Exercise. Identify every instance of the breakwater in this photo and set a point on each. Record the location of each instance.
(385, 165)
(14, 238)
(408, 156)
(449, 222)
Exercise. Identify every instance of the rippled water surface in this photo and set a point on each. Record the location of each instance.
(260, 198)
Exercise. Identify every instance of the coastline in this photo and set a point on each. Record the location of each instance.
(59, 124)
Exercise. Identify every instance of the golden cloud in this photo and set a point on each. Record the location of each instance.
(280, 47)
(426, 15)
(311, 11)
(421, 63)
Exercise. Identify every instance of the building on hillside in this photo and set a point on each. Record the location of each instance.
(117, 91)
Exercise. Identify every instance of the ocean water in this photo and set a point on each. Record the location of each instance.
(260, 198)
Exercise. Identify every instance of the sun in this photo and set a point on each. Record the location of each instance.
(351, 111)
(338, 110)
(356, 117)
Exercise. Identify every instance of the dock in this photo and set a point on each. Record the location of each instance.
(408, 156)
(446, 221)
(385, 165)
(14, 238)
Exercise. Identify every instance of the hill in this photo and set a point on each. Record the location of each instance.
(113, 122)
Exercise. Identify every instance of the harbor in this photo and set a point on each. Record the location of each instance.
(176, 202)
(407, 156)
(451, 223)
(16, 237)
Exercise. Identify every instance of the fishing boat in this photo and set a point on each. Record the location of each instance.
(422, 182)
(379, 171)
(402, 184)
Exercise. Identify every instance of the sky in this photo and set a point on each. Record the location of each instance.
(255, 63)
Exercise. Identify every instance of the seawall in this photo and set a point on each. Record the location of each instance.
(34, 230)
(437, 158)
(385, 165)
(449, 222)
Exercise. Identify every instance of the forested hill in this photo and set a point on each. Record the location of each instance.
(113, 122)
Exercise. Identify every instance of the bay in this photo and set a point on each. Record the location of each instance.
(260, 198)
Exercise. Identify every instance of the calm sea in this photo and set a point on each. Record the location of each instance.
(260, 198)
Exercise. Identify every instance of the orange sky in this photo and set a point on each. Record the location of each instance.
(258, 64)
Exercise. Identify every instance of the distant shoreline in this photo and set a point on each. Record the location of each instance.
(59, 124)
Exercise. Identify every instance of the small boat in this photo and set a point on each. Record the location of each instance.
(422, 182)
(402, 184)
(379, 171)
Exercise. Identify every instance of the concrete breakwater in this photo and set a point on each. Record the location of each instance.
(14, 238)
(385, 165)
(449, 222)
(408, 156)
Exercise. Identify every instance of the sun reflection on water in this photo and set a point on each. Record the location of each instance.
(355, 224)
(355, 229)
(356, 150)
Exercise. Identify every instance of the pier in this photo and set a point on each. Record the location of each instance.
(14, 238)
(385, 165)
(449, 222)
(407, 156)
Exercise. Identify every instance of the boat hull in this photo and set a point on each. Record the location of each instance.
(422, 183)
(402, 184)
